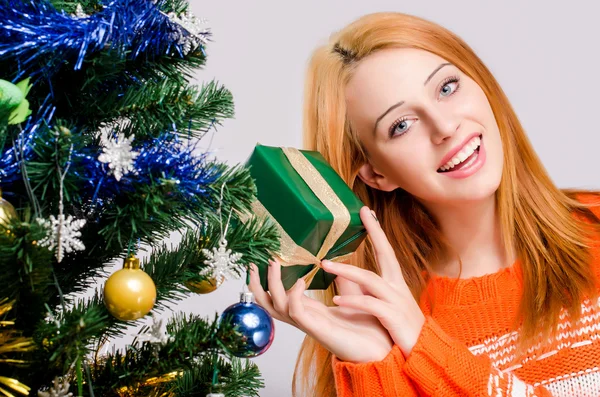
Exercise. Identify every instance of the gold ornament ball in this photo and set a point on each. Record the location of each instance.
(129, 293)
(204, 286)
(7, 211)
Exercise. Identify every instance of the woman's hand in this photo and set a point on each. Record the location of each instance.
(352, 335)
(349, 334)
(387, 296)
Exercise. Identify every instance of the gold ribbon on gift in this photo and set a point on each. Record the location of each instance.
(291, 253)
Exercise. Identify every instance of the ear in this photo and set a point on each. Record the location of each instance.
(374, 179)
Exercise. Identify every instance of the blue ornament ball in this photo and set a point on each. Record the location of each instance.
(253, 322)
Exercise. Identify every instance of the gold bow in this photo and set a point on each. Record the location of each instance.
(291, 253)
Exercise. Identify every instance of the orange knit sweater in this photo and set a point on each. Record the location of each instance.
(466, 348)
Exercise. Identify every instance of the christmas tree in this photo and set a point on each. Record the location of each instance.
(99, 158)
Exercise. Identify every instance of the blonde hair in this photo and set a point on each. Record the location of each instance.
(536, 217)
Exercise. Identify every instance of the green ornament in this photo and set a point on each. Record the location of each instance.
(12, 100)
(10, 95)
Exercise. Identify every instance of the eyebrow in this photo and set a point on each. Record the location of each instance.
(402, 102)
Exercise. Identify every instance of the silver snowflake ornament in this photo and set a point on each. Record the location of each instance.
(193, 33)
(222, 263)
(79, 12)
(60, 388)
(156, 333)
(119, 156)
(63, 234)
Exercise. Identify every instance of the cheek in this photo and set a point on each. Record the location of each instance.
(475, 106)
(496, 151)
(492, 133)
(407, 167)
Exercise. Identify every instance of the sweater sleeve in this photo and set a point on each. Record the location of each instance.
(437, 366)
(442, 366)
(373, 379)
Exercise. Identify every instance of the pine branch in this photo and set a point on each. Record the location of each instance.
(240, 378)
(24, 271)
(256, 241)
(13, 351)
(122, 70)
(55, 39)
(154, 96)
(152, 212)
(165, 106)
(91, 6)
(108, 69)
(149, 211)
(69, 7)
(51, 148)
(187, 355)
(67, 336)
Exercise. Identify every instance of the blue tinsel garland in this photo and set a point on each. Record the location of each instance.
(163, 160)
(40, 39)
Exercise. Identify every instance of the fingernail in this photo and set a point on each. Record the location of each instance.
(374, 216)
(336, 298)
(326, 263)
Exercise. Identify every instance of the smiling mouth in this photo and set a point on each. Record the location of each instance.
(471, 154)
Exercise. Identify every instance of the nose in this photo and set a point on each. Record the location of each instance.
(444, 124)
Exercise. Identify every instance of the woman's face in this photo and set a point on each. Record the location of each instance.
(441, 110)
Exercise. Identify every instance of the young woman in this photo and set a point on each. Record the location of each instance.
(480, 276)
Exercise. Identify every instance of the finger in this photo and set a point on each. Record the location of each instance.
(384, 252)
(297, 310)
(347, 287)
(368, 304)
(369, 282)
(263, 298)
(278, 294)
(260, 295)
(310, 303)
(381, 244)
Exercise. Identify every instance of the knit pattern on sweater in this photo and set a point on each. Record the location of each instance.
(467, 347)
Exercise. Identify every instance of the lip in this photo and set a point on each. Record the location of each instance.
(475, 167)
(457, 149)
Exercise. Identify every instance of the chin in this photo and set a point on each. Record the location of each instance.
(475, 191)
(479, 187)
(475, 196)
(479, 190)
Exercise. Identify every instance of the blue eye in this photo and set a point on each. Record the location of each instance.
(447, 82)
(401, 122)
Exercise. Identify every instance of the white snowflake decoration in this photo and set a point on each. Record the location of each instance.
(63, 234)
(119, 156)
(192, 25)
(60, 388)
(222, 263)
(156, 334)
(79, 12)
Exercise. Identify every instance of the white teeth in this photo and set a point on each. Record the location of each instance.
(465, 152)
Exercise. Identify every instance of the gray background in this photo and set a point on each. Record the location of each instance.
(544, 56)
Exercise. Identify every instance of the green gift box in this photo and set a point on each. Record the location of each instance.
(315, 211)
